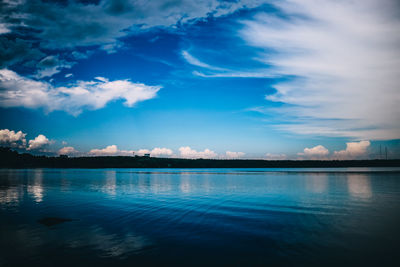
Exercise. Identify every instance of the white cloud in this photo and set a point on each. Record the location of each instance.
(234, 155)
(39, 143)
(12, 139)
(68, 150)
(51, 65)
(156, 152)
(270, 156)
(18, 91)
(68, 75)
(346, 59)
(196, 62)
(187, 152)
(161, 152)
(141, 152)
(111, 151)
(317, 152)
(353, 150)
(234, 74)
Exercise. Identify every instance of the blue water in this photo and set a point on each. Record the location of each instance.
(214, 217)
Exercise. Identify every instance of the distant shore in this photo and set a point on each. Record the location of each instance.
(13, 159)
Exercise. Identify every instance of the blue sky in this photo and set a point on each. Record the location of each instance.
(213, 79)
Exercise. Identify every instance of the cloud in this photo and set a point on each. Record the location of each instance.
(74, 23)
(68, 150)
(15, 51)
(161, 152)
(12, 139)
(196, 62)
(51, 65)
(353, 150)
(53, 26)
(156, 152)
(341, 64)
(270, 156)
(18, 91)
(234, 74)
(317, 152)
(68, 75)
(111, 151)
(234, 155)
(187, 152)
(39, 143)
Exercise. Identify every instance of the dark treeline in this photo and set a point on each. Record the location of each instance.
(13, 159)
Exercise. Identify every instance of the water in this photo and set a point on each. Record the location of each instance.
(239, 217)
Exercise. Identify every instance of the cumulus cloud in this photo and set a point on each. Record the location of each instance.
(156, 152)
(353, 150)
(161, 152)
(317, 152)
(40, 143)
(234, 155)
(111, 151)
(12, 139)
(187, 152)
(18, 91)
(343, 58)
(68, 150)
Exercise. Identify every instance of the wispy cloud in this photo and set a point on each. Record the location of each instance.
(345, 58)
(196, 62)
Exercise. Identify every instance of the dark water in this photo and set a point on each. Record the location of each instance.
(235, 217)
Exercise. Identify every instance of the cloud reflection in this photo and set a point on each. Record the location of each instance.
(359, 185)
(317, 183)
(36, 190)
(10, 195)
(110, 184)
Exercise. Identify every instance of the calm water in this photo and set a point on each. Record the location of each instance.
(246, 217)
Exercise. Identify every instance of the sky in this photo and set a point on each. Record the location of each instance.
(262, 79)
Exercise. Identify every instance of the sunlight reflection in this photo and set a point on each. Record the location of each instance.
(36, 190)
(359, 185)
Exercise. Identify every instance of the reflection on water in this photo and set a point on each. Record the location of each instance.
(110, 184)
(359, 185)
(36, 189)
(123, 217)
(317, 183)
(10, 195)
(185, 182)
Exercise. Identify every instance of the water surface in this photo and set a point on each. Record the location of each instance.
(239, 217)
